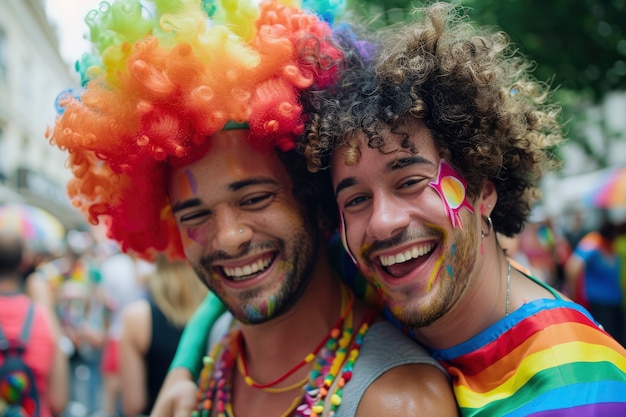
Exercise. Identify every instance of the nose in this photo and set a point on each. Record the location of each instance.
(231, 233)
(387, 219)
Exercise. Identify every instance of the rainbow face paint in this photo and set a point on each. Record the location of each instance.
(451, 187)
(262, 311)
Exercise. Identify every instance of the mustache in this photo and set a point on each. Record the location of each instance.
(404, 236)
(207, 260)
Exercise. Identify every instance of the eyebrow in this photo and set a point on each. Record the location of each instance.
(391, 166)
(238, 185)
(181, 205)
(235, 186)
(406, 161)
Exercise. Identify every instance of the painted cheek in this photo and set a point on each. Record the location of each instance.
(451, 187)
(199, 235)
(449, 269)
(187, 184)
(439, 263)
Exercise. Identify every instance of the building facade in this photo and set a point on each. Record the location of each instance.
(32, 73)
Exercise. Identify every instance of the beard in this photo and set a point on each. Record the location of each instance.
(272, 299)
(458, 264)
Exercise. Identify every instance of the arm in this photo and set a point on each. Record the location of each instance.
(409, 390)
(177, 396)
(193, 342)
(136, 334)
(58, 378)
(574, 268)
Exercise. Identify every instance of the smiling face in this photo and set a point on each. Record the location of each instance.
(242, 229)
(408, 223)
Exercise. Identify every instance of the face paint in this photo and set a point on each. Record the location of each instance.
(187, 184)
(451, 187)
(450, 271)
(435, 273)
(199, 235)
(344, 240)
(257, 313)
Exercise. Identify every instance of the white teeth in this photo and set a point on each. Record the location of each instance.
(242, 271)
(415, 252)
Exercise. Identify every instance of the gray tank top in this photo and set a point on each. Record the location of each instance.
(384, 348)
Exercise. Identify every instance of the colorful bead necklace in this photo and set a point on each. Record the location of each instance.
(243, 367)
(331, 371)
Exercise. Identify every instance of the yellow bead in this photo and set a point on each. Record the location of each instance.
(317, 409)
(249, 381)
(309, 358)
(335, 400)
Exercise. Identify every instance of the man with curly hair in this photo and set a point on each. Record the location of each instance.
(434, 149)
(183, 143)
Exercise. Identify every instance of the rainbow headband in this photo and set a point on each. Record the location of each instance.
(161, 81)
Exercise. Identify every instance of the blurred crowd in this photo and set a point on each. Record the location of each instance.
(104, 307)
(581, 253)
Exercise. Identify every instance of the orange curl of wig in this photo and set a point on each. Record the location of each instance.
(164, 82)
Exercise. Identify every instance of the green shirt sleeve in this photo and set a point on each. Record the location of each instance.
(193, 342)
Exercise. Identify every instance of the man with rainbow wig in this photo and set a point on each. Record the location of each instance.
(182, 142)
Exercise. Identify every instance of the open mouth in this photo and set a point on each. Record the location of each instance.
(248, 271)
(402, 263)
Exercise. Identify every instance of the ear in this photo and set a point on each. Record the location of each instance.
(488, 197)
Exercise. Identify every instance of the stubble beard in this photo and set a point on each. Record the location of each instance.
(450, 288)
(304, 252)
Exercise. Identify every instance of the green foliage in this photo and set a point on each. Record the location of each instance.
(579, 46)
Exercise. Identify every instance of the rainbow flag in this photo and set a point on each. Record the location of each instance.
(548, 358)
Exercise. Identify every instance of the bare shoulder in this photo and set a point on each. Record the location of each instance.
(136, 317)
(137, 312)
(409, 390)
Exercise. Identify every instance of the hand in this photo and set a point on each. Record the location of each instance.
(177, 397)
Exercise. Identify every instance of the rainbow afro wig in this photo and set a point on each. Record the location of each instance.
(166, 75)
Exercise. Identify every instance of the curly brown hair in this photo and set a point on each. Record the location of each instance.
(489, 117)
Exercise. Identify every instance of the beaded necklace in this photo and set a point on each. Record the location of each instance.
(243, 367)
(331, 371)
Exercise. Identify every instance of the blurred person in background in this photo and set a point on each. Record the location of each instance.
(574, 226)
(537, 241)
(43, 354)
(81, 308)
(593, 277)
(151, 329)
(123, 279)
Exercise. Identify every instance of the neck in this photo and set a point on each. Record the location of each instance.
(307, 323)
(484, 300)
